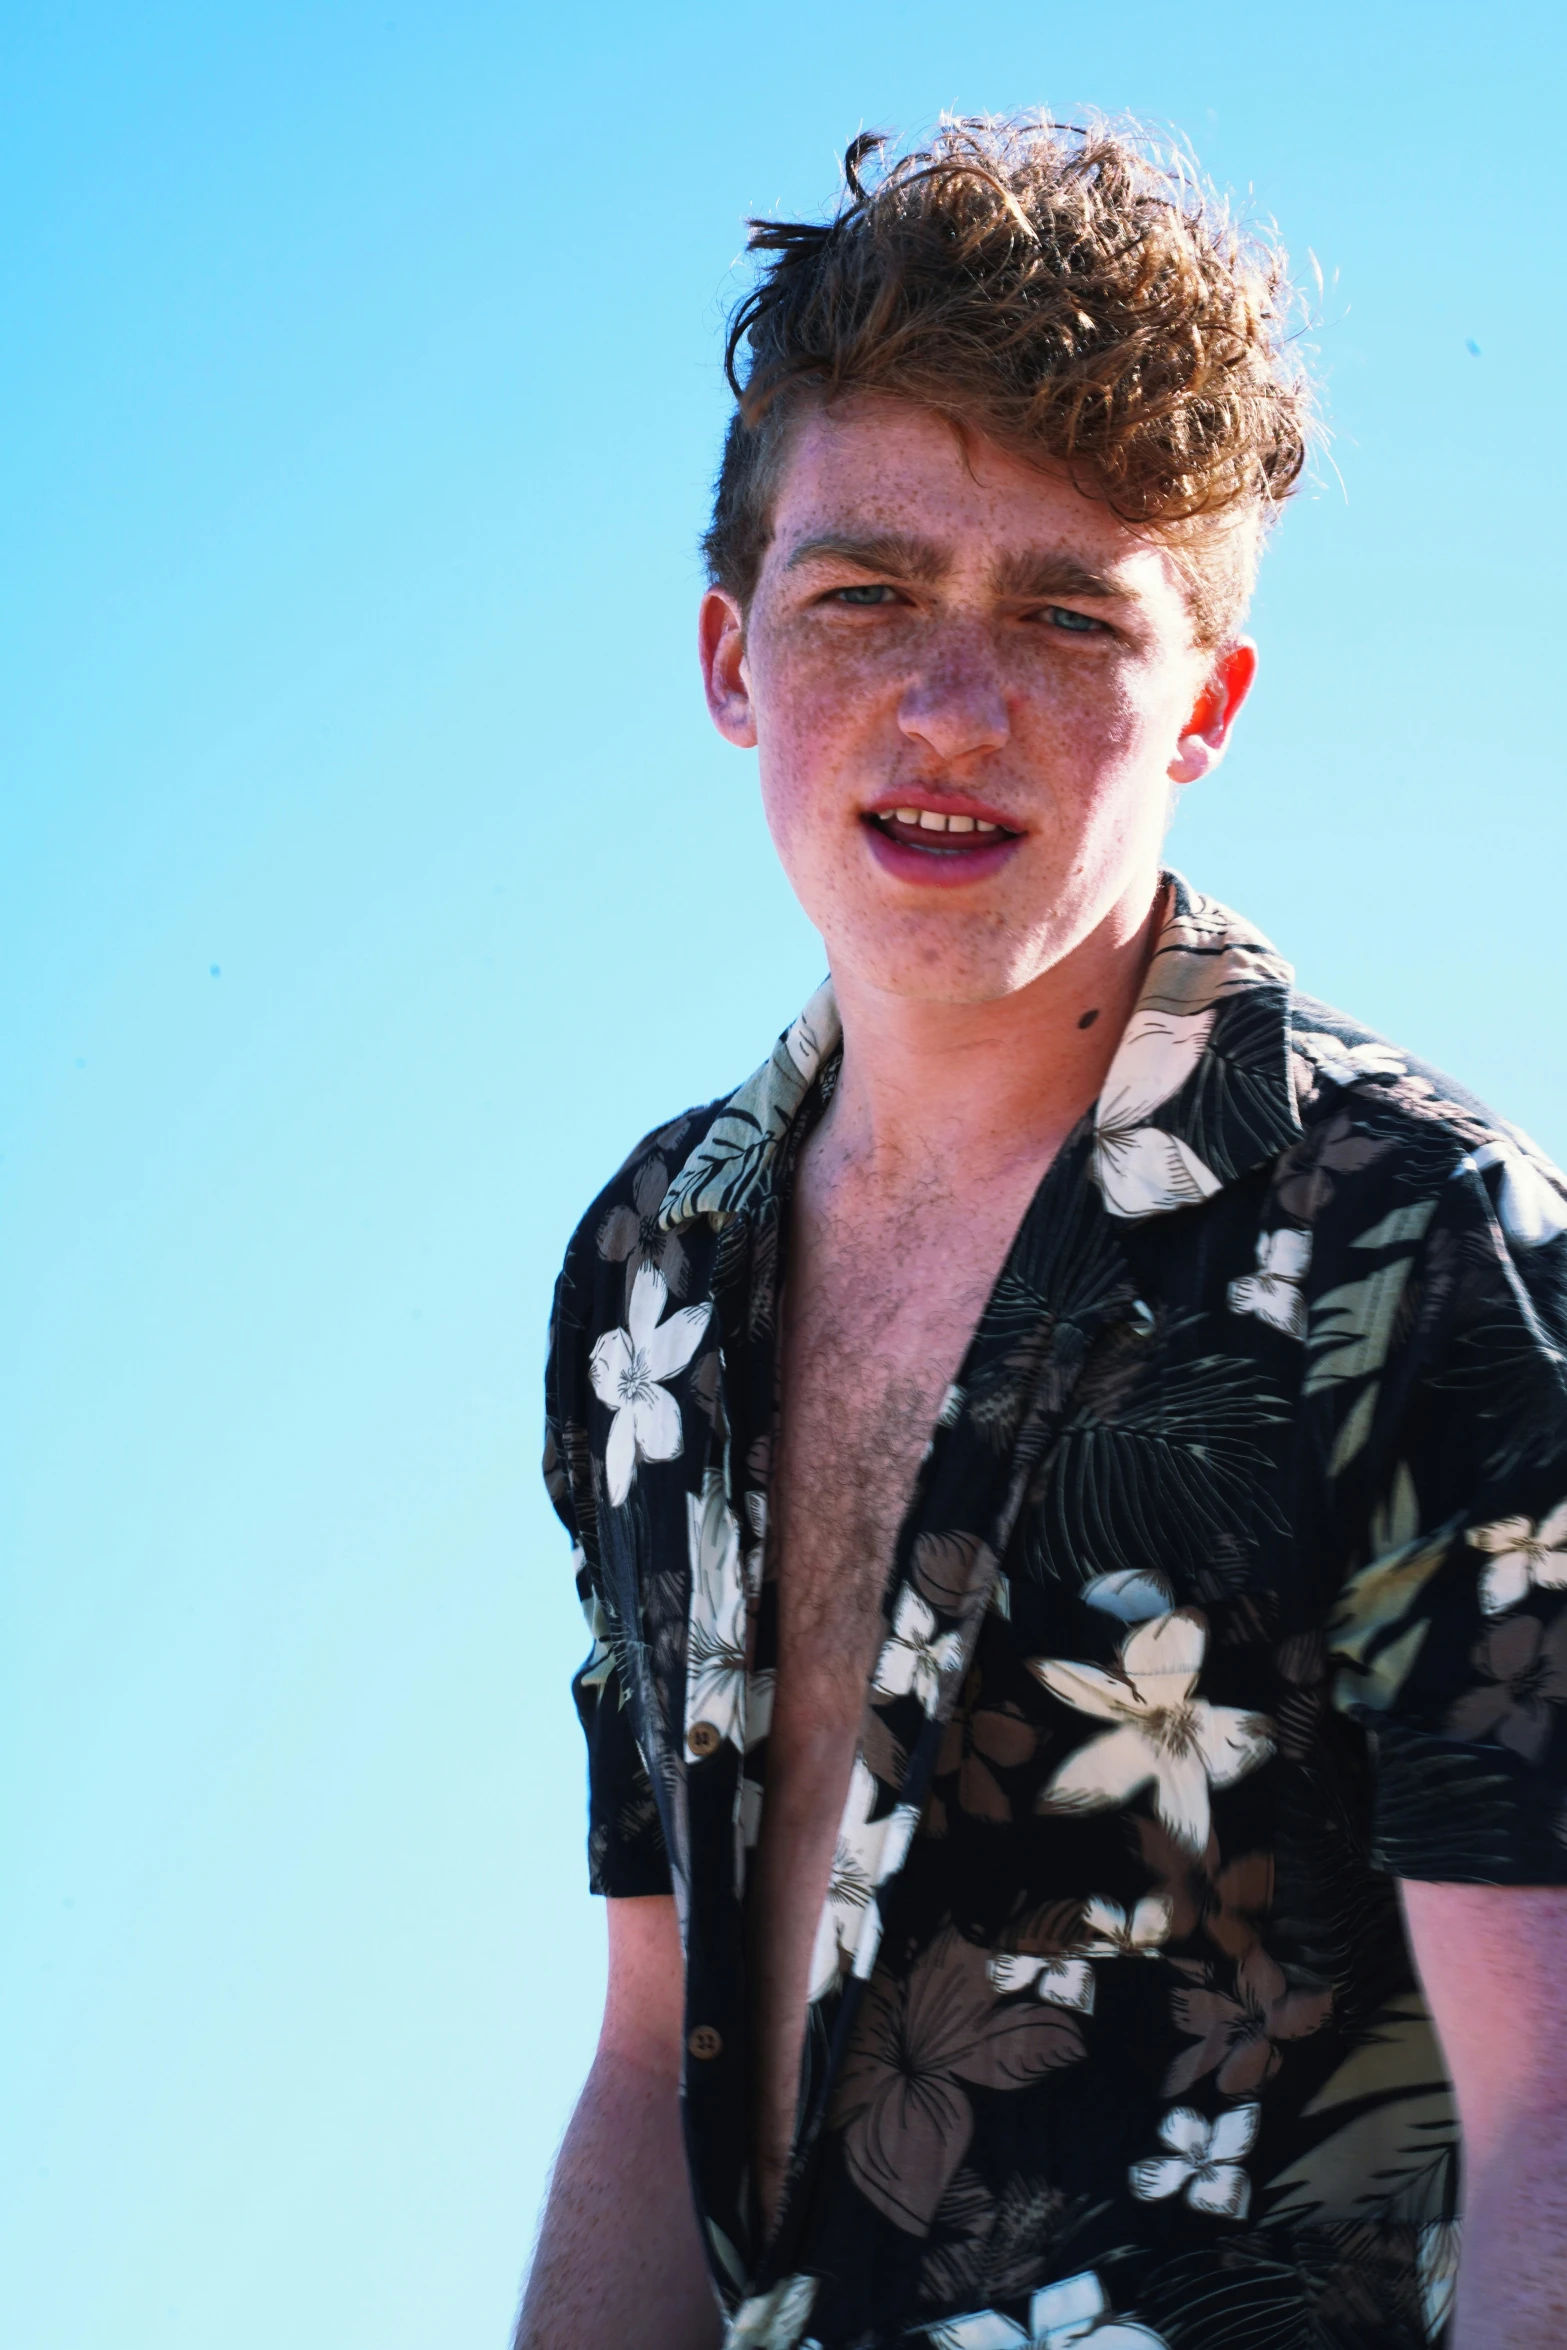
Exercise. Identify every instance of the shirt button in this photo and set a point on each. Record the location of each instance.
(704, 1738)
(704, 2042)
(1140, 1318)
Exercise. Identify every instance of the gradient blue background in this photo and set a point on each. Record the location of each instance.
(371, 880)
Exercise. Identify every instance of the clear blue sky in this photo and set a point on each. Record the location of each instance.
(366, 877)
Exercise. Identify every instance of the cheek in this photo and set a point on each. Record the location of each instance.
(817, 712)
(1101, 725)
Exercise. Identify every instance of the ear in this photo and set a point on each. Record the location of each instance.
(1205, 736)
(725, 676)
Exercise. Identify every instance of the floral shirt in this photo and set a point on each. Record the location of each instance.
(1233, 1587)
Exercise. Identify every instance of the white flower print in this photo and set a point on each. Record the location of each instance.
(1524, 1557)
(1348, 1064)
(914, 1659)
(628, 1369)
(1065, 1982)
(1113, 1934)
(596, 1672)
(868, 1853)
(1163, 1736)
(1132, 1594)
(1140, 1169)
(1204, 2160)
(716, 1626)
(775, 2320)
(1273, 1292)
(756, 1554)
(1060, 2315)
(1529, 1207)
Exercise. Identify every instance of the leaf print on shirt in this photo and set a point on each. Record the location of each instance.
(1394, 2150)
(1525, 1670)
(1238, 2037)
(629, 1369)
(1436, 2264)
(1523, 1557)
(716, 1632)
(1163, 1736)
(868, 1852)
(1204, 2161)
(915, 1657)
(1059, 2316)
(1351, 1325)
(918, 2043)
(1141, 1170)
(1273, 1293)
(1147, 1479)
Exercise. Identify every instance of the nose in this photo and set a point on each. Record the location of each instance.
(955, 703)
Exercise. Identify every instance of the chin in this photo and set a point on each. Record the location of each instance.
(980, 968)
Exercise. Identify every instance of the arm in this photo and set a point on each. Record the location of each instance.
(1491, 1959)
(619, 2264)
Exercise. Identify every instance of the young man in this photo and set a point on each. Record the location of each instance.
(1069, 1462)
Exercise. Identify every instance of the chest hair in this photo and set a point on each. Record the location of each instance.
(865, 1368)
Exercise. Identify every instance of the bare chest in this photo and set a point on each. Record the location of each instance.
(867, 1360)
(874, 1332)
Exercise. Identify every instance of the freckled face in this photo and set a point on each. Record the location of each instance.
(970, 688)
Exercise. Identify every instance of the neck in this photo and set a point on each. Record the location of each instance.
(931, 1085)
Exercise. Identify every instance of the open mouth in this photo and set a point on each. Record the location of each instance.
(940, 835)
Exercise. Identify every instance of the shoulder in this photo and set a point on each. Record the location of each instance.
(621, 1229)
(661, 1208)
(1378, 1121)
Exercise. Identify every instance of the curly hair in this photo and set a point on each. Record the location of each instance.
(1075, 294)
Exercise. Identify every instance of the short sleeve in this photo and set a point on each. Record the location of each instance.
(626, 1851)
(1450, 1640)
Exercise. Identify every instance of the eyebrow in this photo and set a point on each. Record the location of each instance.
(1028, 575)
(881, 550)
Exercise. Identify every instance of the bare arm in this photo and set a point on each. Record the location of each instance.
(1493, 1960)
(619, 2264)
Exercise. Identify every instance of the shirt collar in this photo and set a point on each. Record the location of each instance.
(1198, 1094)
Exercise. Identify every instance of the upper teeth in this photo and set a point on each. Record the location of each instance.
(929, 821)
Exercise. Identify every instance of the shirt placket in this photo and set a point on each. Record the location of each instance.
(723, 1806)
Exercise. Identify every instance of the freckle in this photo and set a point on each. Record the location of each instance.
(1089, 1018)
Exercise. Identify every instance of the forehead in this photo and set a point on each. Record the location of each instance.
(872, 464)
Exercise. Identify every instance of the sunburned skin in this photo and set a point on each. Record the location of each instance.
(972, 690)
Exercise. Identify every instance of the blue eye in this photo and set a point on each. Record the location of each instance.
(1074, 623)
(863, 595)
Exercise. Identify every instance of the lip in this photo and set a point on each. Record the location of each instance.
(940, 867)
(935, 868)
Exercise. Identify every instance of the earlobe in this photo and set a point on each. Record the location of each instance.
(725, 677)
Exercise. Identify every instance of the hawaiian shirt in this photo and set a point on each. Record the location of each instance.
(1232, 1589)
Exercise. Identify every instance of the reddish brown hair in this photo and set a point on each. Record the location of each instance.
(1076, 295)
